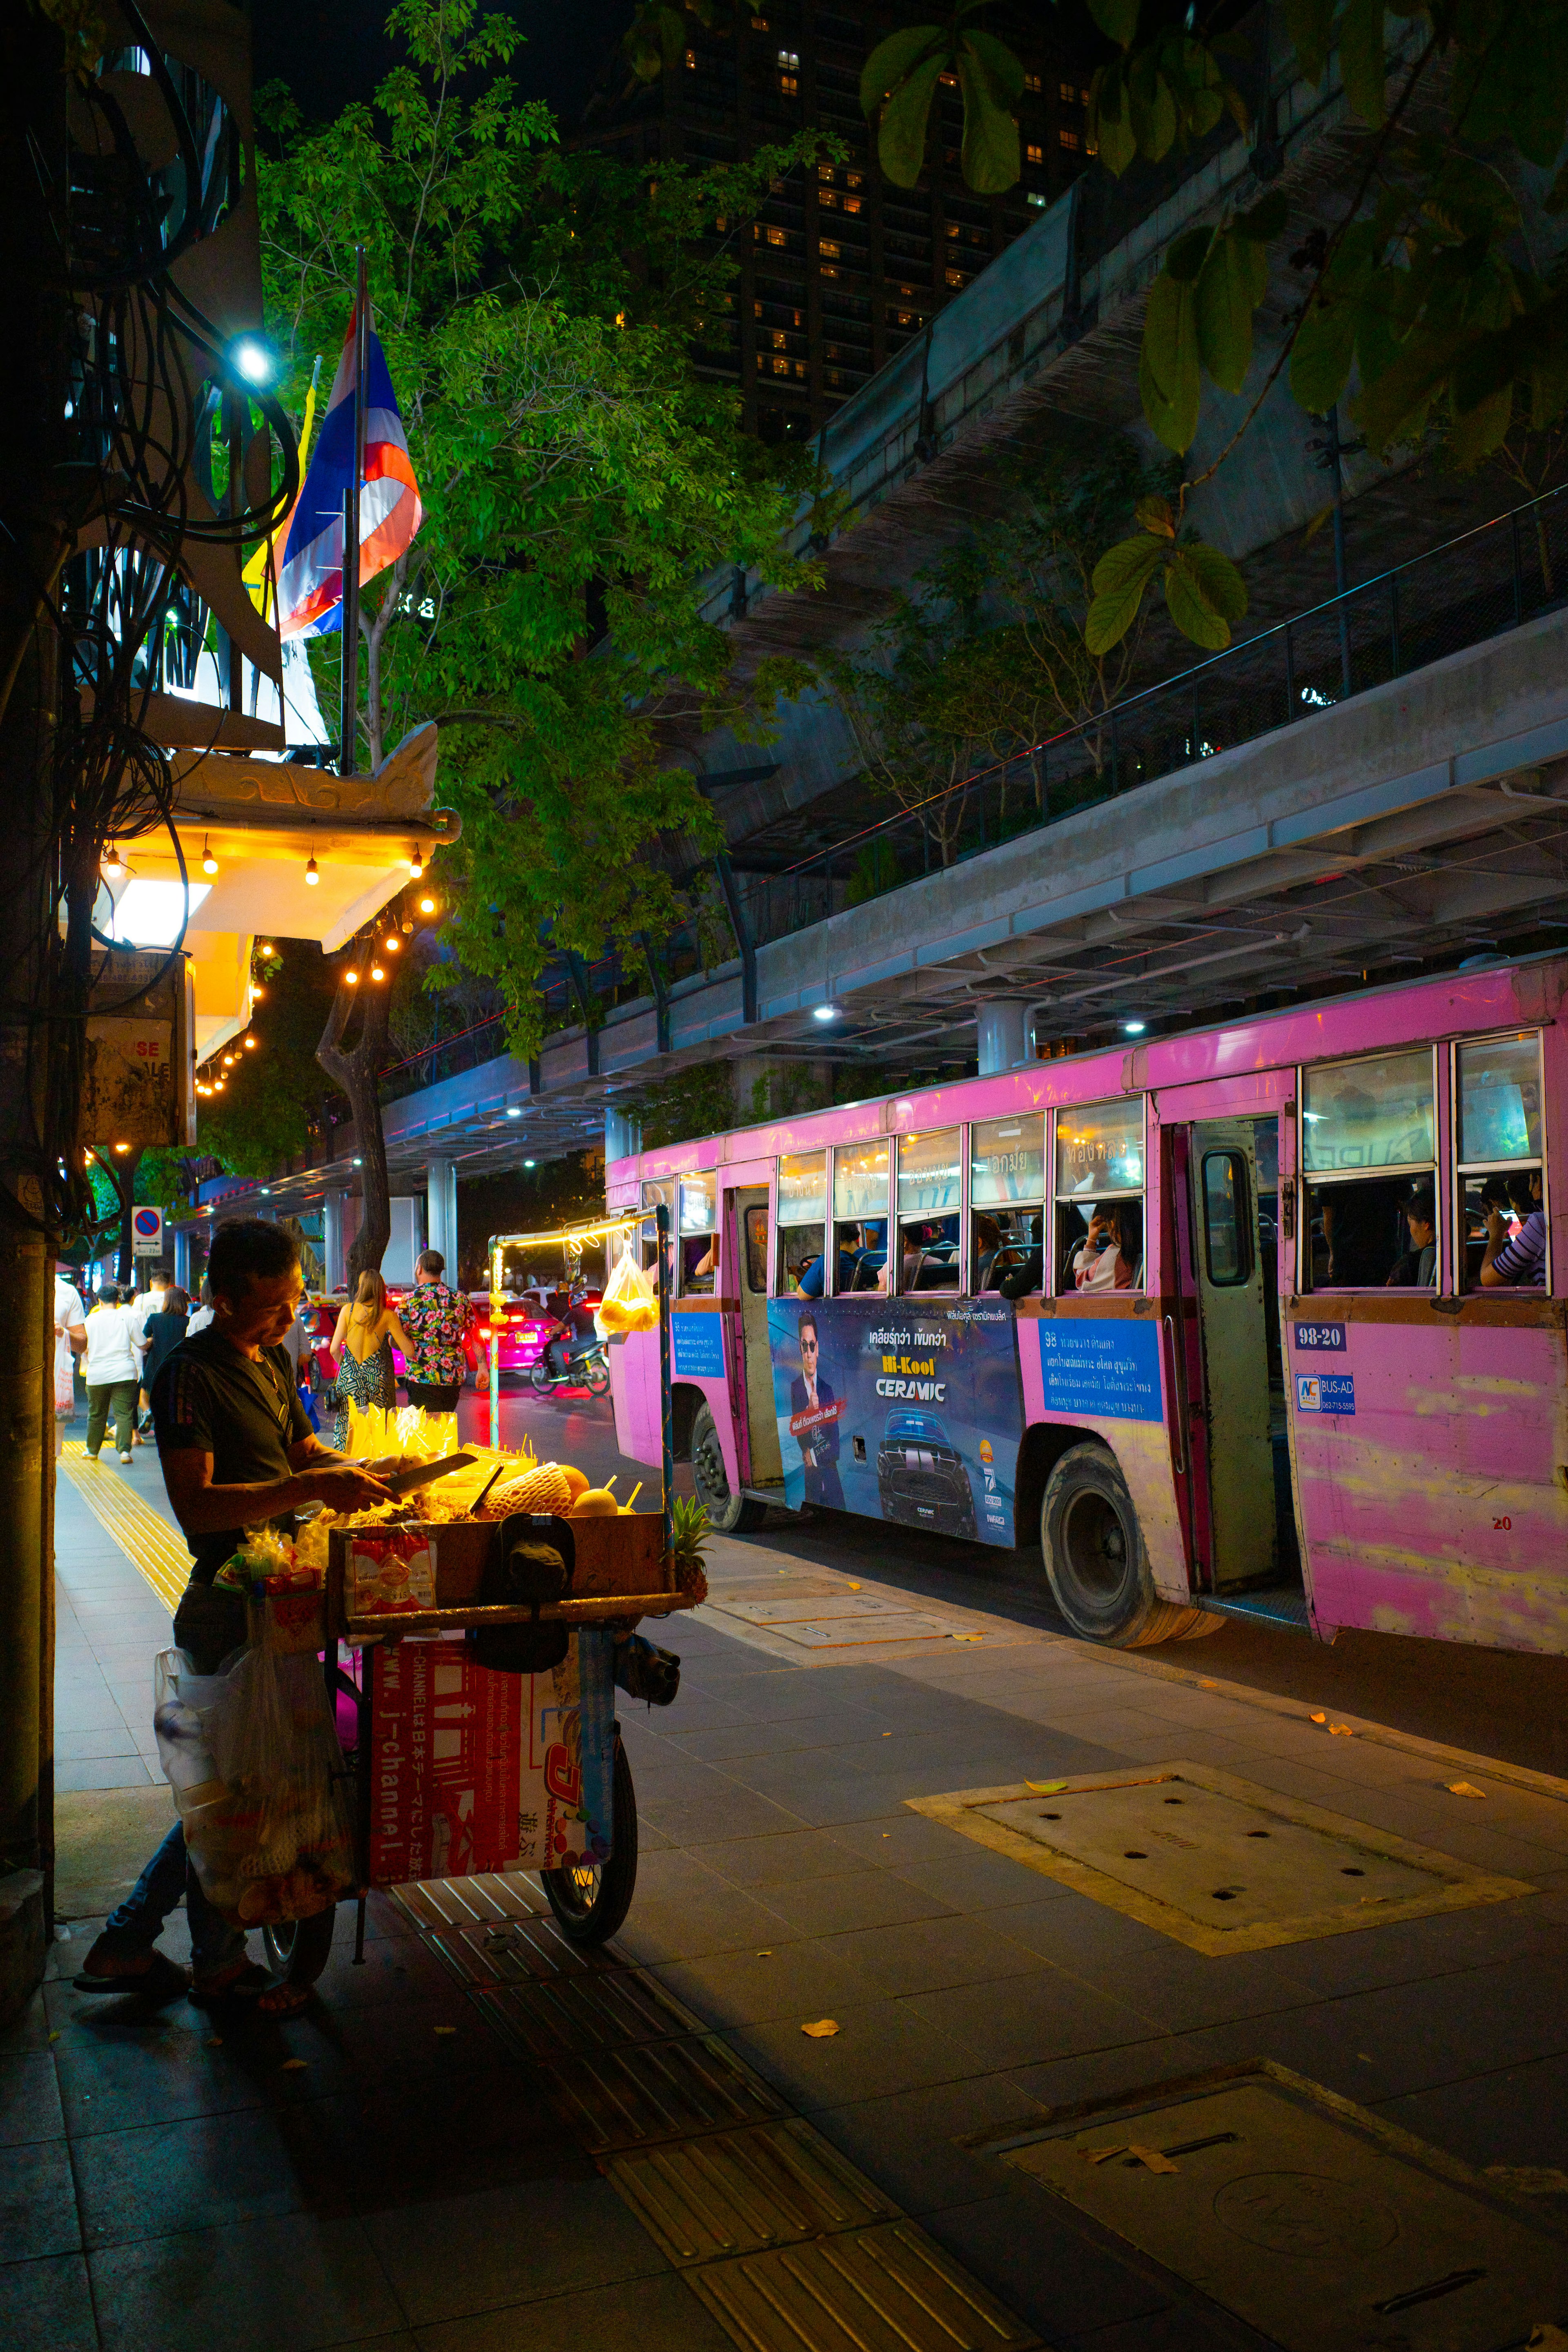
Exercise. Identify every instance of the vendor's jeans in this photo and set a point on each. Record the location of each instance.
(116, 1397)
(136, 1923)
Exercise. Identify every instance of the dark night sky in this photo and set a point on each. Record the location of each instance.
(329, 55)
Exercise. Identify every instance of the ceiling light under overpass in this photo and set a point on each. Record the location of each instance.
(513, 1113)
(824, 1011)
(152, 914)
(1134, 1028)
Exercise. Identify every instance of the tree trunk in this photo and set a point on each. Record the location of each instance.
(356, 1069)
(32, 498)
(125, 1166)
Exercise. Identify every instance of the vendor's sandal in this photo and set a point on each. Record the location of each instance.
(242, 1980)
(285, 1999)
(159, 1982)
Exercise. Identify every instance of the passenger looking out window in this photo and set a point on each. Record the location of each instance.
(1417, 1269)
(1007, 1187)
(1107, 1259)
(1368, 1135)
(851, 1246)
(1519, 1262)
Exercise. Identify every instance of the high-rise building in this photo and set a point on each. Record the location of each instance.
(842, 268)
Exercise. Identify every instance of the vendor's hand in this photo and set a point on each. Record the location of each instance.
(381, 1466)
(348, 1486)
(1497, 1231)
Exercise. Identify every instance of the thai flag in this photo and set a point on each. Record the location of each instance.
(311, 578)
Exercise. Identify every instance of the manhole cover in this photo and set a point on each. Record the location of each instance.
(1216, 1862)
(848, 1623)
(1373, 2240)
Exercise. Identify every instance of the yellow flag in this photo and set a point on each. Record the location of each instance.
(261, 573)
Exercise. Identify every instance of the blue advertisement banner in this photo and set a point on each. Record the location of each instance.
(697, 1346)
(1106, 1371)
(901, 1409)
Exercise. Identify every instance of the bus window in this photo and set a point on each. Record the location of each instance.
(1499, 1166)
(1227, 1222)
(860, 1217)
(928, 1210)
(1367, 1155)
(1100, 1196)
(657, 1196)
(698, 1235)
(1006, 1201)
(757, 1247)
(802, 1213)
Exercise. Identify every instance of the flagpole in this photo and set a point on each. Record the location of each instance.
(349, 721)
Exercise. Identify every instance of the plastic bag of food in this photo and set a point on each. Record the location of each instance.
(253, 1758)
(630, 1302)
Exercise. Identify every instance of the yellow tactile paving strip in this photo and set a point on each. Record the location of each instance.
(155, 1550)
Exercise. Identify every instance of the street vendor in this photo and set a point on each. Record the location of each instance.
(236, 1452)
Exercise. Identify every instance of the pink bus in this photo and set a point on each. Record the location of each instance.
(1259, 1319)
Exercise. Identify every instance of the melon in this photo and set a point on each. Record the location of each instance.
(576, 1479)
(543, 1489)
(595, 1503)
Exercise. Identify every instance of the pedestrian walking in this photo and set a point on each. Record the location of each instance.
(362, 1343)
(435, 1319)
(163, 1333)
(70, 1341)
(113, 1370)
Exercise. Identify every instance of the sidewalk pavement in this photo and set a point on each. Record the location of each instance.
(484, 2144)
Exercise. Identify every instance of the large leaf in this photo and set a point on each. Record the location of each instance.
(1321, 355)
(989, 157)
(893, 60)
(1475, 436)
(996, 61)
(1117, 19)
(1120, 577)
(1391, 408)
(1310, 25)
(902, 139)
(1110, 124)
(1153, 106)
(1170, 378)
(1363, 62)
(1512, 82)
(1222, 584)
(1231, 284)
(1192, 607)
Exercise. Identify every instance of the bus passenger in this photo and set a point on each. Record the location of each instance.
(1521, 1262)
(987, 1241)
(850, 1244)
(1417, 1269)
(1101, 1264)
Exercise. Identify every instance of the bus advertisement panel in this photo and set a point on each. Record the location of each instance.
(901, 1410)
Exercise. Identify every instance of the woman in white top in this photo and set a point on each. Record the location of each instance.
(112, 1371)
(1101, 1263)
(367, 1331)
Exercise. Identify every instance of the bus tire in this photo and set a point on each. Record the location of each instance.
(1095, 1558)
(729, 1514)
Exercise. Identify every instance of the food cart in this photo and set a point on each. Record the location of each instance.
(484, 1662)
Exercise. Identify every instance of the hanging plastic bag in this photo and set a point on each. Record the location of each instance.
(630, 1302)
(253, 1758)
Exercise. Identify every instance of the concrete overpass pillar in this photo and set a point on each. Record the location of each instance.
(332, 1240)
(441, 1212)
(1003, 1025)
(182, 1257)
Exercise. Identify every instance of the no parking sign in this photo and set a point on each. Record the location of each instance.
(147, 1233)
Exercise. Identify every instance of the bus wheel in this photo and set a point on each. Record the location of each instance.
(1095, 1559)
(728, 1514)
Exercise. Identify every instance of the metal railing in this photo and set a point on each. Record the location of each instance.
(1490, 579)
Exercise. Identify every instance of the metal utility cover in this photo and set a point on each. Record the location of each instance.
(1311, 2219)
(465, 1902)
(849, 1622)
(741, 2192)
(665, 2090)
(1216, 1862)
(567, 2017)
(887, 2290)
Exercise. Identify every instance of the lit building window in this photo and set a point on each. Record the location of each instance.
(948, 80)
(955, 276)
(828, 196)
(756, 310)
(1069, 139)
(851, 203)
(691, 61)
(828, 272)
(952, 228)
(1034, 154)
(1035, 198)
(1067, 92)
(789, 85)
(800, 367)
(790, 58)
(1032, 81)
(781, 367)
(759, 24)
(778, 338)
(775, 236)
(827, 248)
(853, 180)
(824, 171)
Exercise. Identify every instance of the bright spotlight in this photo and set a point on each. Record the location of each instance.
(252, 359)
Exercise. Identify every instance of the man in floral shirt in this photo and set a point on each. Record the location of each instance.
(434, 1319)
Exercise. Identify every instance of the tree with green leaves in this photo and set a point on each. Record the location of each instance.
(538, 311)
(986, 657)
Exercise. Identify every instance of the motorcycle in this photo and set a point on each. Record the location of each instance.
(572, 1360)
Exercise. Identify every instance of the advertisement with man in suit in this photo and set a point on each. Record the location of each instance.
(814, 1417)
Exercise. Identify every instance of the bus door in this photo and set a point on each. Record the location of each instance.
(1230, 1163)
(757, 1429)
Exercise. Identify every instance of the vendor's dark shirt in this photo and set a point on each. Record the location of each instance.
(211, 1399)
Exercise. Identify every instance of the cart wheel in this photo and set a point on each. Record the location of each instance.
(591, 1900)
(298, 1948)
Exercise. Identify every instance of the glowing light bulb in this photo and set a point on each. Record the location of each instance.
(113, 864)
(426, 906)
(313, 873)
(218, 1085)
(352, 977)
(251, 1043)
(209, 863)
(376, 972)
(416, 867)
(394, 944)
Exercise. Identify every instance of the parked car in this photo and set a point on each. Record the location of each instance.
(921, 1480)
